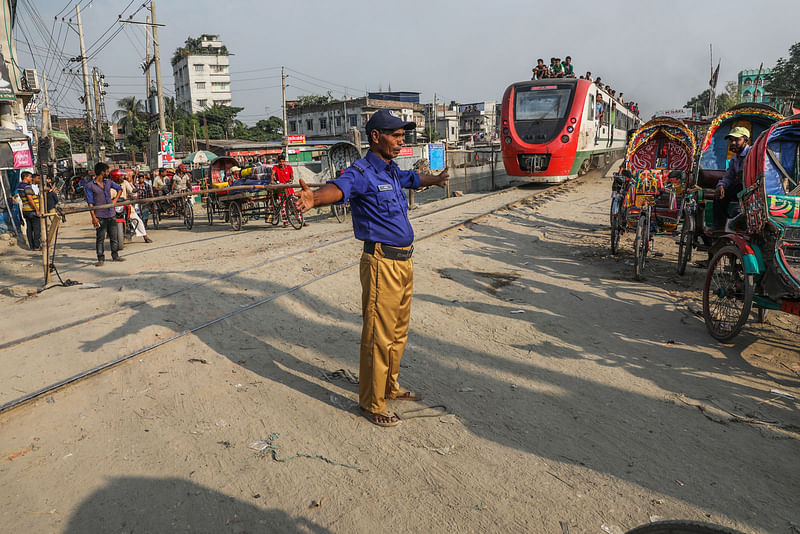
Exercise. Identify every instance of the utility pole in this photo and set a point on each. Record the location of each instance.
(87, 98)
(205, 127)
(162, 124)
(283, 97)
(147, 67)
(46, 124)
(98, 119)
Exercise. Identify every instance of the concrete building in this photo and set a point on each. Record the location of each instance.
(335, 120)
(202, 74)
(478, 122)
(752, 89)
(446, 121)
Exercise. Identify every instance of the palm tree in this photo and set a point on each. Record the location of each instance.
(129, 114)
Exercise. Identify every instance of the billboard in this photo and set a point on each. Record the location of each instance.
(296, 139)
(22, 154)
(681, 113)
(166, 150)
(436, 156)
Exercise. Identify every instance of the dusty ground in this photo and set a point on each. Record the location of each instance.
(578, 399)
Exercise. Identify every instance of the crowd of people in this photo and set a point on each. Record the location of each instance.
(557, 69)
(109, 187)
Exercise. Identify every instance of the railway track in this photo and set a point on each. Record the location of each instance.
(97, 369)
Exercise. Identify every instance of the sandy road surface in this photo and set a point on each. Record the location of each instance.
(578, 398)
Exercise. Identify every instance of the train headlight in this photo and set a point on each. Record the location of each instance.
(565, 139)
(573, 120)
(505, 131)
(508, 140)
(570, 129)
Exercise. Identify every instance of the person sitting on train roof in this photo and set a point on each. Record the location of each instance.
(599, 82)
(588, 76)
(558, 68)
(620, 97)
(569, 69)
(540, 70)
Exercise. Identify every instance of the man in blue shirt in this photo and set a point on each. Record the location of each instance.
(98, 193)
(374, 187)
(730, 186)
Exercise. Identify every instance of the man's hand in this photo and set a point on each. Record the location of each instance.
(305, 198)
(95, 222)
(434, 179)
(720, 191)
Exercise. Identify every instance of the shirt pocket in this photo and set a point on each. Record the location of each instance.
(388, 202)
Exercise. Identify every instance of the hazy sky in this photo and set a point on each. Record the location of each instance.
(657, 53)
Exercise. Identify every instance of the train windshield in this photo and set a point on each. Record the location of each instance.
(543, 102)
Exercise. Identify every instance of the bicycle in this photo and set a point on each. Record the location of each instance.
(287, 204)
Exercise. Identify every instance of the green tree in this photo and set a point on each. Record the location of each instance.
(784, 79)
(728, 98)
(314, 100)
(131, 118)
(431, 134)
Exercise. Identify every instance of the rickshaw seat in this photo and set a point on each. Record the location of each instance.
(708, 178)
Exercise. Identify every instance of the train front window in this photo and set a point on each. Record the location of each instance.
(539, 104)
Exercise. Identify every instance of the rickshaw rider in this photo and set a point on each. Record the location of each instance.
(730, 186)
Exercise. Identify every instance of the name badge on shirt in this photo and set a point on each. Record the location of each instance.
(384, 187)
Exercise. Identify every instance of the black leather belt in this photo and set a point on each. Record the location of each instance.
(389, 252)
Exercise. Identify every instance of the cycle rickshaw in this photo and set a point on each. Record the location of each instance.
(759, 262)
(711, 163)
(648, 193)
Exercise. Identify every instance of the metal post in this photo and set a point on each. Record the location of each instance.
(493, 160)
(86, 93)
(162, 125)
(283, 98)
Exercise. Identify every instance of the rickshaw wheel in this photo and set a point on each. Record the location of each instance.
(210, 213)
(640, 244)
(681, 527)
(339, 211)
(235, 216)
(293, 214)
(685, 243)
(188, 214)
(727, 294)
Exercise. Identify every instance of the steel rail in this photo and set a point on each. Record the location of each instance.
(113, 363)
(80, 322)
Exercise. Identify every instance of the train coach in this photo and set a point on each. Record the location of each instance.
(552, 131)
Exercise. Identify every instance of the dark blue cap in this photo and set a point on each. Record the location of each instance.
(385, 119)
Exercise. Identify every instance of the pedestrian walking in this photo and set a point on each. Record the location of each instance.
(374, 187)
(98, 193)
(30, 210)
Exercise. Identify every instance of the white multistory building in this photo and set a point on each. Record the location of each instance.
(202, 75)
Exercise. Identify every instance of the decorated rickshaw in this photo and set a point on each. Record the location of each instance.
(648, 193)
(712, 160)
(759, 262)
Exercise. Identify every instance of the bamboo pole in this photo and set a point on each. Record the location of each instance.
(271, 187)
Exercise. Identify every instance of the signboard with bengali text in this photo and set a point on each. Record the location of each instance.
(296, 139)
(22, 154)
(436, 156)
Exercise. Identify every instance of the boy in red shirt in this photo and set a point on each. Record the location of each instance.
(283, 174)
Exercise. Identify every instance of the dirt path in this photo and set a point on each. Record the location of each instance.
(578, 398)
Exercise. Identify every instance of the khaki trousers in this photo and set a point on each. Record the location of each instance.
(386, 288)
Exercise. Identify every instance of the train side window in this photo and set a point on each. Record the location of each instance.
(590, 111)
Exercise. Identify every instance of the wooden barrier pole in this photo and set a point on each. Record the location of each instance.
(272, 187)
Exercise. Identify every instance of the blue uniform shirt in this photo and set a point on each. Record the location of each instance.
(377, 202)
